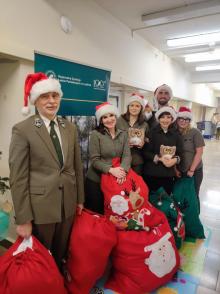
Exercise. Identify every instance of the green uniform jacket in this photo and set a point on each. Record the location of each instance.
(102, 149)
(136, 153)
(42, 191)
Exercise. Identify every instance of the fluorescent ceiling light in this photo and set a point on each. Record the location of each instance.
(210, 38)
(203, 56)
(208, 67)
(182, 13)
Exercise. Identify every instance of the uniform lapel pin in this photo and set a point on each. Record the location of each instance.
(61, 122)
(38, 122)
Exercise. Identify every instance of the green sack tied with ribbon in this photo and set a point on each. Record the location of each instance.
(184, 195)
(164, 202)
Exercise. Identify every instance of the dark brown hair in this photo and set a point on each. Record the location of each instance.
(140, 119)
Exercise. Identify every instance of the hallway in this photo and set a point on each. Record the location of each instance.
(210, 216)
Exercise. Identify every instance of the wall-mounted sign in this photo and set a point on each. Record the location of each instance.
(83, 86)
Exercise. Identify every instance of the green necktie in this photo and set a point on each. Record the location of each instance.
(56, 142)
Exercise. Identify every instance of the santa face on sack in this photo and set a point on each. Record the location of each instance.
(162, 259)
(119, 205)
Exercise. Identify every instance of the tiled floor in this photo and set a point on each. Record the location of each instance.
(210, 216)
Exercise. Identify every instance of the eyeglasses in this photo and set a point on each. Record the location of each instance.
(184, 119)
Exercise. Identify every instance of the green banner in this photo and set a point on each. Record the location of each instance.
(83, 86)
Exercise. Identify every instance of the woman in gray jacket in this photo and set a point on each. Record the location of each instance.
(106, 143)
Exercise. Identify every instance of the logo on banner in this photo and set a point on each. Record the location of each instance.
(51, 74)
(99, 84)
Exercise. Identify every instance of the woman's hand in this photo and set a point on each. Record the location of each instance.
(140, 146)
(177, 173)
(118, 172)
(121, 180)
(131, 145)
(190, 173)
(24, 230)
(168, 162)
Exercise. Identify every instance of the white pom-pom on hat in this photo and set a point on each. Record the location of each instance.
(25, 110)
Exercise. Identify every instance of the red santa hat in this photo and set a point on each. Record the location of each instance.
(105, 108)
(168, 109)
(37, 84)
(135, 97)
(185, 112)
(163, 87)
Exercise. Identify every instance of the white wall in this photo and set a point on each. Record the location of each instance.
(97, 39)
(11, 101)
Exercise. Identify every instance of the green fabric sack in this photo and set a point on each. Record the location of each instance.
(164, 202)
(184, 195)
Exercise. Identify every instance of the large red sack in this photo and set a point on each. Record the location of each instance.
(30, 271)
(122, 200)
(92, 239)
(143, 261)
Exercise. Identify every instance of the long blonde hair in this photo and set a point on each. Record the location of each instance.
(186, 130)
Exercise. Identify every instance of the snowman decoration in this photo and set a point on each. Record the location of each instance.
(162, 259)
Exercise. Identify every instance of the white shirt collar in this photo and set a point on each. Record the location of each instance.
(47, 121)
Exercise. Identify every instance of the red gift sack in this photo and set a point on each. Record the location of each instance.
(27, 267)
(121, 200)
(92, 239)
(143, 261)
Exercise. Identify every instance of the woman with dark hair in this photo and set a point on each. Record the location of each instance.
(106, 143)
(134, 122)
(162, 152)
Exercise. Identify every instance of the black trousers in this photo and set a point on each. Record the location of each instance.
(154, 183)
(94, 198)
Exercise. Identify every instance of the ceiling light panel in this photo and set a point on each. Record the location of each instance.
(204, 56)
(182, 13)
(210, 38)
(208, 67)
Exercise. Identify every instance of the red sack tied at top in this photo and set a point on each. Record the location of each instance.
(27, 267)
(92, 238)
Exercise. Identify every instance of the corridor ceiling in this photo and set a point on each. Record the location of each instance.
(130, 12)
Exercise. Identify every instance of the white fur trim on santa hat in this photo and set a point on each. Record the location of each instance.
(185, 114)
(166, 109)
(136, 98)
(45, 86)
(163, 88)
(105, 109)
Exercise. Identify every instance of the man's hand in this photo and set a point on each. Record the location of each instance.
(24, 230)
(79, 209)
